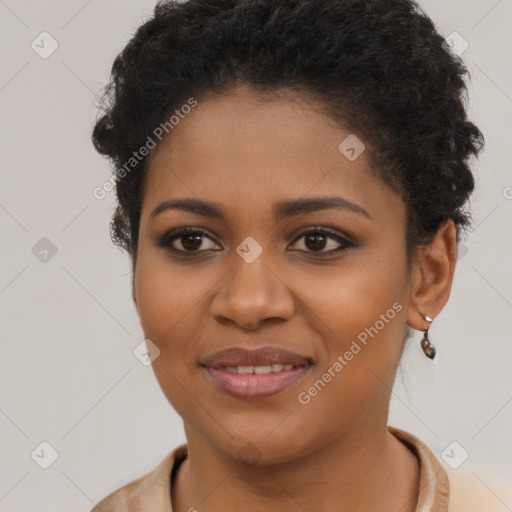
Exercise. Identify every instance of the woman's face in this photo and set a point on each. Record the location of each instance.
(328, 284)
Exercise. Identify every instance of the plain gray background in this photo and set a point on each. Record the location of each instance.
(68, 326)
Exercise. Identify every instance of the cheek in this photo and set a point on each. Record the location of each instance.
(166, 299)
(165, 293)
(361, 314)
(363, 307)
(173, 303)
(363, 299)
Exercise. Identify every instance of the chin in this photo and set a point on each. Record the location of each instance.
(251, 449)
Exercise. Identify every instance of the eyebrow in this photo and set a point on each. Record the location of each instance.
(281, 210)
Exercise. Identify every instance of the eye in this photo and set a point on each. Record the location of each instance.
(317, 239)
(190, 239)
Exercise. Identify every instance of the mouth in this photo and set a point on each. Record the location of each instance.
(255, 374)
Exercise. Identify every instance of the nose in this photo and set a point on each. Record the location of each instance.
(251, 293)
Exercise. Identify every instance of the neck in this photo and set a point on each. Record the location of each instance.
(364, 469)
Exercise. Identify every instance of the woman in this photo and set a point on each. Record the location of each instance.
(291, 179)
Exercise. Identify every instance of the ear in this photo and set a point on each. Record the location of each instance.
(432, 272)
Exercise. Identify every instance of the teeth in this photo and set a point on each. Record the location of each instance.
(258, 370)
(262, 369)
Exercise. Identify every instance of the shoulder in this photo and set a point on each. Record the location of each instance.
(468, 493)
(448, 489)
(150, 491)
(433, 490)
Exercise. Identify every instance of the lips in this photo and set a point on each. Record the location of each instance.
(237, 356)
(256, 373)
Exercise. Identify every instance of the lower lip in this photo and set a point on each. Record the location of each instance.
(254, 386)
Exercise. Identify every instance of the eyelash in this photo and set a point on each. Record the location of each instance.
(167, 239)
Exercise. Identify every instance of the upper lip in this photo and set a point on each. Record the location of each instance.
(239, 356)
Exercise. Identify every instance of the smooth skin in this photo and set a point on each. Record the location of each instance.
(334, 453)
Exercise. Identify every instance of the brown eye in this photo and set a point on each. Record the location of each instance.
(191, 242)
(318, 239)
(321, 241)
(190, 239)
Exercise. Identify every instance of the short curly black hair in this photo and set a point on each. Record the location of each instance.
(379, 67)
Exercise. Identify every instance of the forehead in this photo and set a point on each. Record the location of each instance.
(243, 150)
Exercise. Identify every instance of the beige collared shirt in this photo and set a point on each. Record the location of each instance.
(152, 491)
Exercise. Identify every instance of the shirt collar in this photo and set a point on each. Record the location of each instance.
(152, 491)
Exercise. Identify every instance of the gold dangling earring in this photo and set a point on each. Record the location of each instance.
(428, 349)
